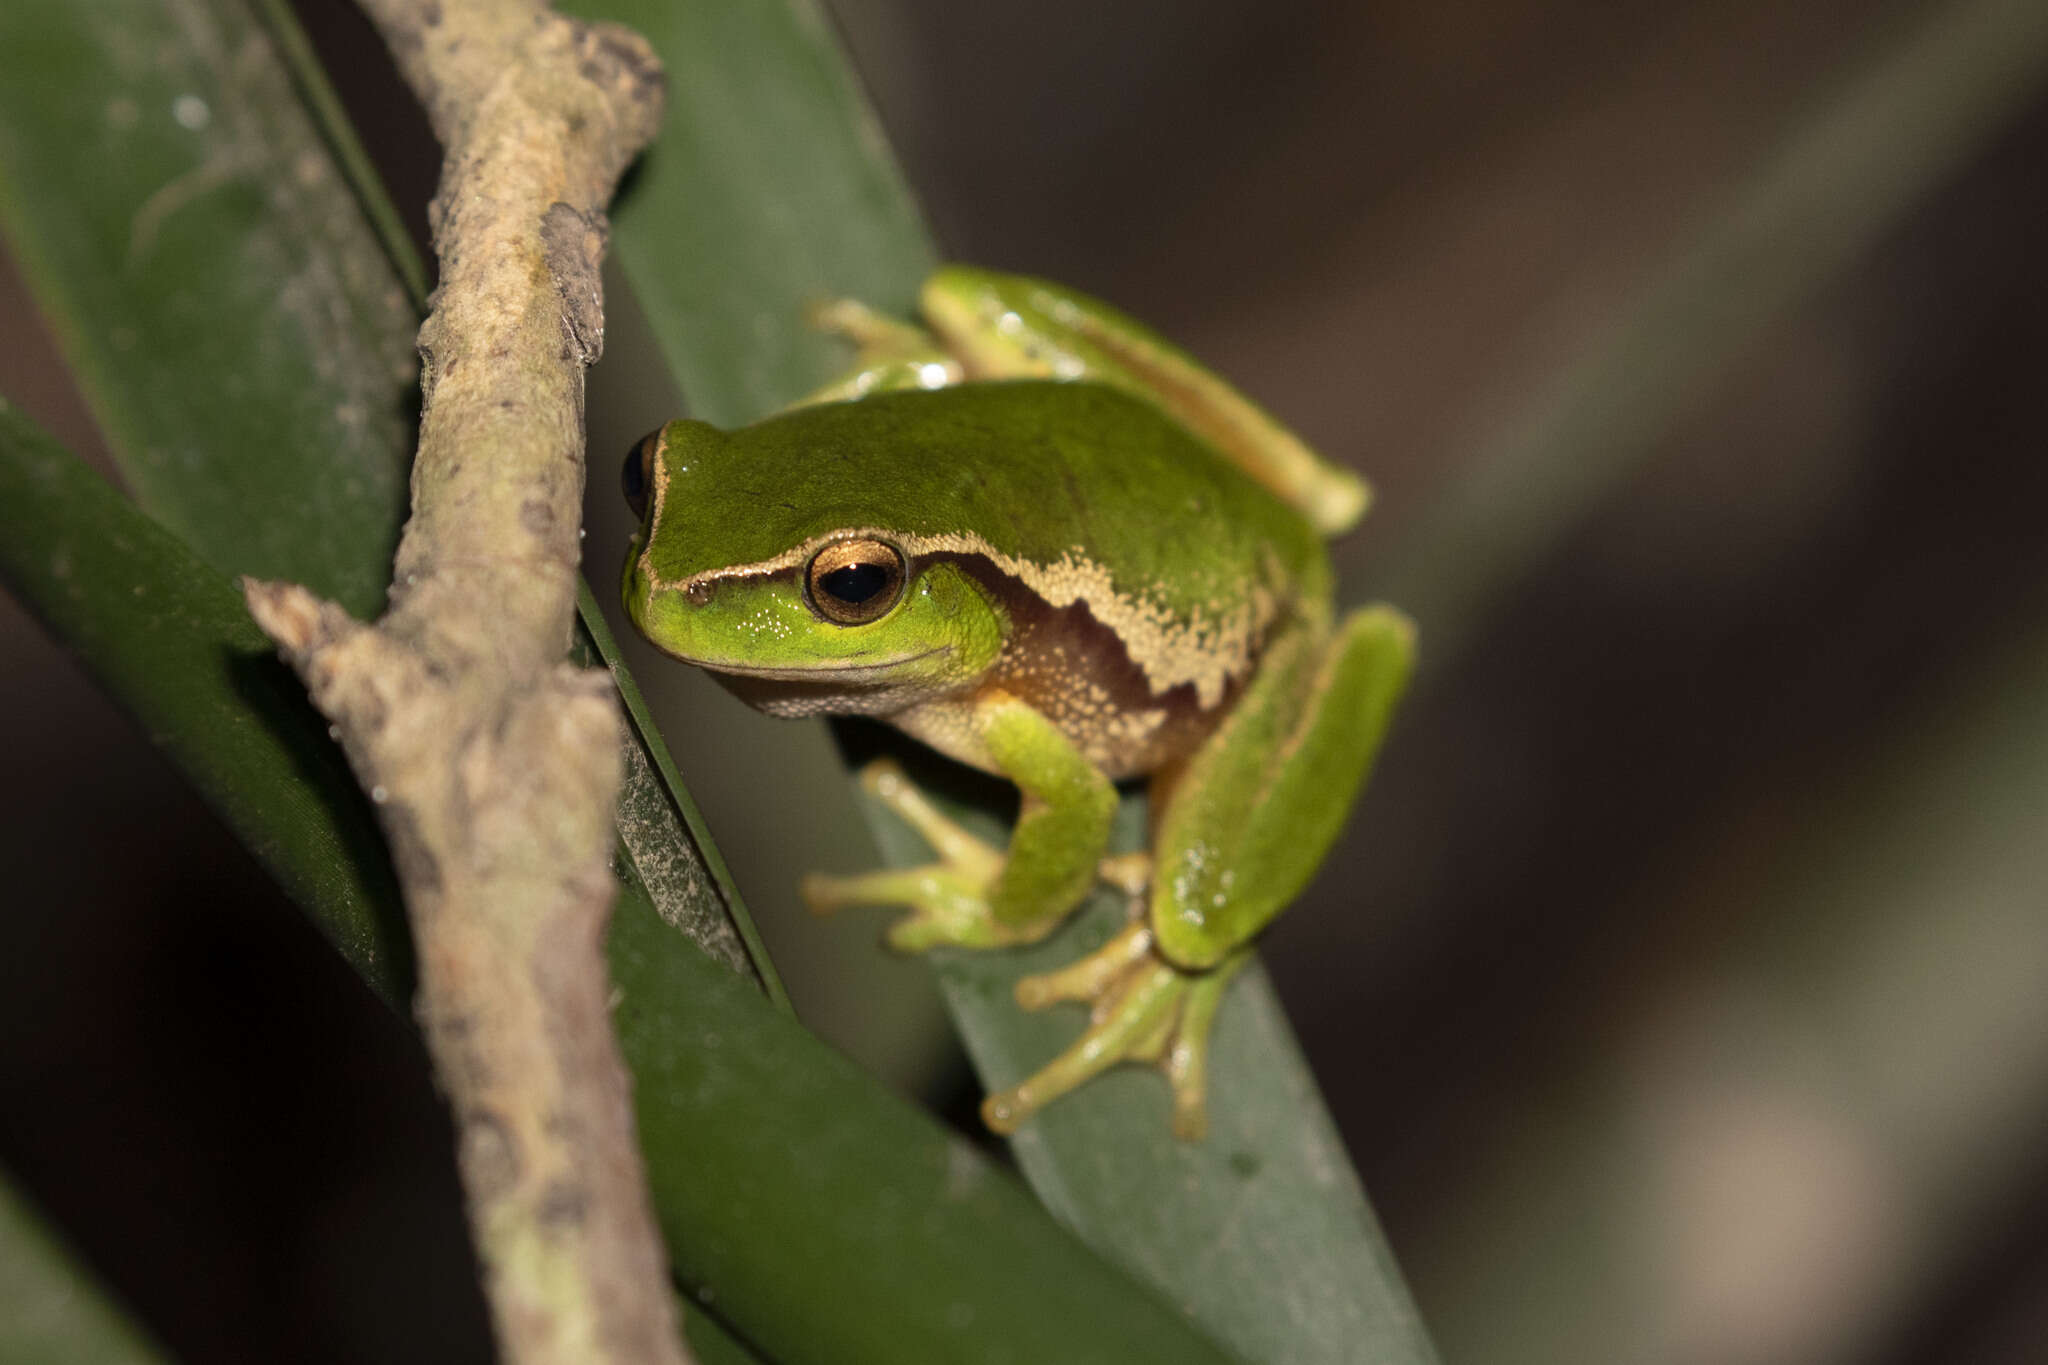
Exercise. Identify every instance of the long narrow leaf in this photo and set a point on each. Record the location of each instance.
(213, 283)
(665, 847)
(52, 1311)
(171, 640)
(768, 191)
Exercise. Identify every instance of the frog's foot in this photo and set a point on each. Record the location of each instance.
(948, 899)
(1129, 873)
(1142, 1009)
(873, 333)
(891, 354)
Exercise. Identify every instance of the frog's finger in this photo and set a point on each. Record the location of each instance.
(933, 884)
(1138, 1016)
(1129, 873)
(891, 354)
(1089, 977)
(1187, 1061)
(874, 333)
(885, 780)
(955, 922)
(946, 907)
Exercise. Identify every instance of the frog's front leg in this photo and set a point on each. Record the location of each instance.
(975, 896)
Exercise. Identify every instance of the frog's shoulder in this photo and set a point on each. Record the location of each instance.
(1130, 700)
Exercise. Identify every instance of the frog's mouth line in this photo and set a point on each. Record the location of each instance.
(842, 672)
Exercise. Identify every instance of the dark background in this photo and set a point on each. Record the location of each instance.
(1681, 987)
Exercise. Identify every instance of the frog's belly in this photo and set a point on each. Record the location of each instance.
(1123, 743)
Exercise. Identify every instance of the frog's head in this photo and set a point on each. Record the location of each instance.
(754, 562)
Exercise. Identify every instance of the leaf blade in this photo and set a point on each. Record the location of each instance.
(51, 1308)
(173, 642)
(209, 265)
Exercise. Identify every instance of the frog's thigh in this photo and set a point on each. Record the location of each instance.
(1014, 327)
(1064, 826)
(1261, 803)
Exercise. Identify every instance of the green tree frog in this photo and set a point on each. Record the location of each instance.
(1040, 539)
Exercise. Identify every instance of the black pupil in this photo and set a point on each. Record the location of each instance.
(854, 584)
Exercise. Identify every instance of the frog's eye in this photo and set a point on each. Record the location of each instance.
(638, 473)
(854, 581)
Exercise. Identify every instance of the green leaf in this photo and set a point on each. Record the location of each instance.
(214, 284)
(51, 1309)
(170, 638)
(665, 848)
(768, 191)
(834, 1222)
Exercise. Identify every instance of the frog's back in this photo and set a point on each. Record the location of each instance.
(1042, 473)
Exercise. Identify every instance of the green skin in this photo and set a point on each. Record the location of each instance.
(1051, 545)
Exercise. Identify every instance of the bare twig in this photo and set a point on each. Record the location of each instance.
(494, 763)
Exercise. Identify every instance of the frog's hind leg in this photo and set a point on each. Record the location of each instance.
(1262, 801)
(1012, 327)
(1243, 827)
(890, 354)
(1143, 1010)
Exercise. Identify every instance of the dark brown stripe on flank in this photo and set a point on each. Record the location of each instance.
(1076, 671)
